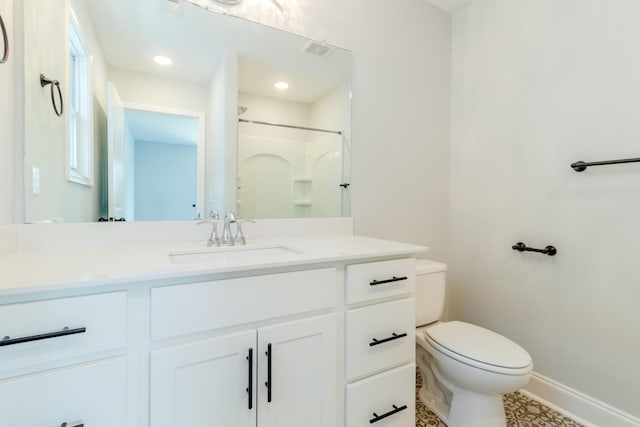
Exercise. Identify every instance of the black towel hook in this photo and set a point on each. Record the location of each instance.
(5, 39)
(521, 247)
(44, 81)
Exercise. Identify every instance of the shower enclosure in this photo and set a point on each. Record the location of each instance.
(287, 171)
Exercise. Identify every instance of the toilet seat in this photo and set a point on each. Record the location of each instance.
(478, 347)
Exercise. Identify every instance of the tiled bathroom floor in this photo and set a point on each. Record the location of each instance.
(520, 411)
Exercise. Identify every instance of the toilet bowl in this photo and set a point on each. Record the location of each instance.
(465, 368)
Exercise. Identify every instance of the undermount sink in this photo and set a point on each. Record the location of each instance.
(232, 255)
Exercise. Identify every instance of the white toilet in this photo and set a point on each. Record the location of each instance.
(465, 368)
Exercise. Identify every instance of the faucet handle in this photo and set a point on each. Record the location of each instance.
(239, 237)
(214, 240)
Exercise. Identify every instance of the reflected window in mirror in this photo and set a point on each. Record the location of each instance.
(79, 156)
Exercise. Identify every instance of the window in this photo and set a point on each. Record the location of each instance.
(80, 144)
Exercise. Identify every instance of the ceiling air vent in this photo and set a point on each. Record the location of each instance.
(320, 49)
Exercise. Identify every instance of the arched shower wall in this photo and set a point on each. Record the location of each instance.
(325, 191)
(265, 187)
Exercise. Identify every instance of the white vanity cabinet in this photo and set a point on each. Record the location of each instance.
(271, 374)
(380, 343)
(325, 340)
(63, 361)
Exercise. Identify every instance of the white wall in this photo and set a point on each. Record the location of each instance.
(145, 89)
(221, 136)
(7, 148)
(45, 133)
(537, 85)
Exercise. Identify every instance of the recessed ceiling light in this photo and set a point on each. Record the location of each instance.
(163, 60)
(281, 85)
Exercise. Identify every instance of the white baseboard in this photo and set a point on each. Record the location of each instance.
(582, 408)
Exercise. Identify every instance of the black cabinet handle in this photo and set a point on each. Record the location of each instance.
(66, 331)
(393, 337)
(77, 425)
(5, 39)
(44, 81)
(250, 388)
(394, 411)
(268, 383)
(393, 279)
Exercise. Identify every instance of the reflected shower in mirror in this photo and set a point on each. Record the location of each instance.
(165, 142)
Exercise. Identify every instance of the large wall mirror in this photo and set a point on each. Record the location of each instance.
(202, 129)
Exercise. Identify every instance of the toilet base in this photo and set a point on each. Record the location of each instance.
(469, 409)
(433, 404)
(466, 408)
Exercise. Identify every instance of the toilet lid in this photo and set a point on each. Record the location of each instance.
(478, 344)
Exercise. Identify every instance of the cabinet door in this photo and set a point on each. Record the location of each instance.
(302, 376)
(205, 383)
(93, 394)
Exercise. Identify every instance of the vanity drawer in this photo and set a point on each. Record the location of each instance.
(185, 309)
(94, 394)
(377, 280)
(379, 337)
(52, 330)
(388, 397)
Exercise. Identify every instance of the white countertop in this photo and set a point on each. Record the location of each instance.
(47, 270)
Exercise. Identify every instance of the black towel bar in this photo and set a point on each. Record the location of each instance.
(521, 247)
(581, 166)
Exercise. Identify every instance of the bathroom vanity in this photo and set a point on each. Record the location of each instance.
(312, 330)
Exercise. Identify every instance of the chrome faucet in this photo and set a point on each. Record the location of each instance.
(227, 239)
(239, 237)
(213, 237)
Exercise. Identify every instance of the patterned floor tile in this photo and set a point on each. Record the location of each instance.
(519, 410)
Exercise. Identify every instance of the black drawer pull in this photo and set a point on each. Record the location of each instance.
(268, 383)
(393, 337)
(393, 279)
(250, 388)
(77, 425)
(63, 333)
(394, 411)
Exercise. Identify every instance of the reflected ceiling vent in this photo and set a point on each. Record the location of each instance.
(320, 49)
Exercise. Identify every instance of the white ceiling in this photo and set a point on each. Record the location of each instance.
(449, 5)
(132, 32)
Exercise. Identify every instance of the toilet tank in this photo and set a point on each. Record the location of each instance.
(430, 291)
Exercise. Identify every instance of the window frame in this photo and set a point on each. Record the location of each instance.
(79, 155)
